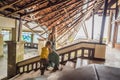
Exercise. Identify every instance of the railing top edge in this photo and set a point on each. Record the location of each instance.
(75, 50)
(28, 60)
(81, 43)
(30, 43)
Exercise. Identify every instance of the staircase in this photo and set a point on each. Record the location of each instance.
(48, 74)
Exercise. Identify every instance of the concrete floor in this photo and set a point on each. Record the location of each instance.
(112, 59)
(29, 53)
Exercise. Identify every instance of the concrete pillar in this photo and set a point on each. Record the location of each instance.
(20, 30)
(103, 21)
(1, 45)
(115, 27)
(41, 44)
(14, 34)
(110, 28)
(56, 44)
(1, 42)
(0, 29)
(93, 22)
(10, 35)
(15, 49)
(15, 54)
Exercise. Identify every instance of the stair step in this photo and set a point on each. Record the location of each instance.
(35, 75)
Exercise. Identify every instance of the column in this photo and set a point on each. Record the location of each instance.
(115, 27)
(109, 27)
(41, 44)
(10, 35)
(1, 45)
(15, 49)
(92, 37)
(32, 38)
(15, 54)
(1, 42)
(103, 21)
(56, 38)
(20, 30)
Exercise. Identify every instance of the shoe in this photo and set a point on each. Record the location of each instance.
(47, 69)
(55, 69)
(42, 72)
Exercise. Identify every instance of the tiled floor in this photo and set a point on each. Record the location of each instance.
(112, 59)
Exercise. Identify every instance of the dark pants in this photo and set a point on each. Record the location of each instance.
(43, 65)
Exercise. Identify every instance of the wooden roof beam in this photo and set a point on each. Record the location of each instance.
(44, 32)
(61, 7)
(66, 27)
(75, 20)
(48, 6)
(71, 16)
(9, 5)
(74, 11)
(58, 16)
(26, 25)
(72, 26)
(30, 5)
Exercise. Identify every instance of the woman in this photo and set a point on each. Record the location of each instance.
(54, 60)
(53, 56)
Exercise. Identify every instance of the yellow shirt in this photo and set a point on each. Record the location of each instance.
(44, 53)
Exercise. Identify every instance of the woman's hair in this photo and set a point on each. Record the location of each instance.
(48, 43)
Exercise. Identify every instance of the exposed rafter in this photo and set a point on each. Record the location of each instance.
(32, 4)
(61, 14)
(9, 5)
(48, 6)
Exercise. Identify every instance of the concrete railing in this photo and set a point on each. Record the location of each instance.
(70, 53)
(31, 45)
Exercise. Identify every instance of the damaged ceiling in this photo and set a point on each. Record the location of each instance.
(63, 15)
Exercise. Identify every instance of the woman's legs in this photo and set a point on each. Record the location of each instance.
(54, 58)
